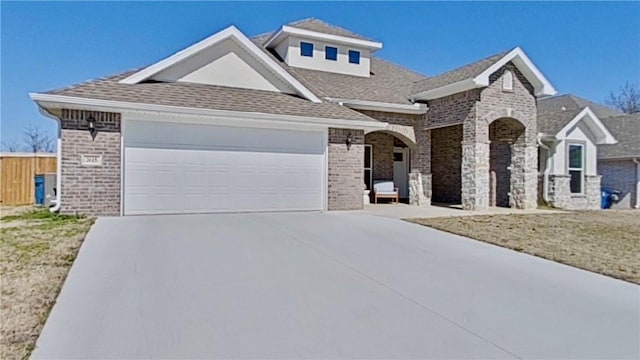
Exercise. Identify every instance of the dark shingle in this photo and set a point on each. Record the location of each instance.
(313, 24)
(626, 129)
(388, 82)
(462, 73)
(555, 112)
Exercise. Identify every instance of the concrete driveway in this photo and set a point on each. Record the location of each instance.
(326, 285)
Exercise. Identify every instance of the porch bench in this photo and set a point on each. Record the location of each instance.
(384, 190)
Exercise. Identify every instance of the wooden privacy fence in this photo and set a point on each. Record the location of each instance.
(17, 172)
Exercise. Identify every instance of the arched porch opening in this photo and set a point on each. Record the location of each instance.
(388, 158)
(506, 150)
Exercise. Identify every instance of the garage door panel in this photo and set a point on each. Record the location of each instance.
(176, 178)
(159, 135)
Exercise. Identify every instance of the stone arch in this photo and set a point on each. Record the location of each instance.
(404, 133)
(502, 113)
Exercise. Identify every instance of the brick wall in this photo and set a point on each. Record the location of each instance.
(346, 170)
(382, 148)
(476, 110)
(420, 154)
(446, 161)
(453, 109)
(91, 190)
(620, 175)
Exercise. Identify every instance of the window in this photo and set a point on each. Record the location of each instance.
(330, 53)
(368, 163)
(507, 81)
(354, 57)
(306, 49)
(576, 167)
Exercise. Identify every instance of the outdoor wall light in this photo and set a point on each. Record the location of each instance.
(92, 126)
(349, 141)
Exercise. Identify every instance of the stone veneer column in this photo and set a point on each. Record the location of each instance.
(524, 178)
(475, 165)
(475, 175)
(346, 170)
(592, 192)
(420, 173)
(559, 191)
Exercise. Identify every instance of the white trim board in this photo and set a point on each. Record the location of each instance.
(286, 30)
(27, 154)
(241, 39)
(416, 108)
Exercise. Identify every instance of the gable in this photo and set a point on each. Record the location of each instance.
(203, 53)
(588, 124)
(225, 64)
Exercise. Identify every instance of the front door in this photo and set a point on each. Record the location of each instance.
(401, 171)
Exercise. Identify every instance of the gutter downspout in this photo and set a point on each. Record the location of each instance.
(57, 202)
(637, 161)
(545, 176)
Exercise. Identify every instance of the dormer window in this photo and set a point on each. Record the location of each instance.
(354, 57)
(331, 53)
(306, 49)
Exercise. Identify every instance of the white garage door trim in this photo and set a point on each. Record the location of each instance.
(322, 130)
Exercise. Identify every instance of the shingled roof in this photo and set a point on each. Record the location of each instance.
(556, 112)
(388, 82)
(465, 72)
(626, 129)
(318, 25)
(206, 97)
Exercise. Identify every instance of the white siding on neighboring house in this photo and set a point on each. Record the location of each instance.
(578, 135)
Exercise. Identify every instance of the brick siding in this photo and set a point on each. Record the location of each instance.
(420, 154)
(346, 170)
(476, 109)
(446, 161)
(620, 175)
(91, 190)
(382, 153)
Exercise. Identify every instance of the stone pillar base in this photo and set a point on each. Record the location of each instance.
(417, 185)
(475, 175)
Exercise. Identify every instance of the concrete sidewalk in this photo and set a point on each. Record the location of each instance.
(404, 211)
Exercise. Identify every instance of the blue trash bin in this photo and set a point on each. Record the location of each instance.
(608, 197)
(39, 185)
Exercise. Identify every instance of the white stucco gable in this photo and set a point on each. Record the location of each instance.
(226, 64)
(227, 58)
(591, 123)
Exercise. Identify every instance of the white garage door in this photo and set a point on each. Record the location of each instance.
(190, 168)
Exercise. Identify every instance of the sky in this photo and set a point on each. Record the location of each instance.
(584, 48)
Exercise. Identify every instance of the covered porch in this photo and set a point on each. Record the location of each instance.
(389, 156)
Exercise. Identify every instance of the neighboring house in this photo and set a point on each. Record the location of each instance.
(570, 131)
(304, 118)
(619, 164)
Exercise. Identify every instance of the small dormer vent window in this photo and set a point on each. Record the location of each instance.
(306, 49)
(331, 53)
(354, 57)
(507, 81)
